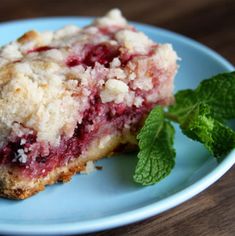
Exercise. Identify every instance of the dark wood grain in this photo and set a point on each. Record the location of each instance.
(208, 21)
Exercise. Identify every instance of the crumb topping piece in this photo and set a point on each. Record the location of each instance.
(21, 156)
(90, 167)
(134, 42)
(114, 90)
(113, 17)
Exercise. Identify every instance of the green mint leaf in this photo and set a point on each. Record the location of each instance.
(201, 112)
(201, 126)
(157, 155)
(217, 92)
(185, 101)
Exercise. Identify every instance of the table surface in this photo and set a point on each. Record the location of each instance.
(211, 22)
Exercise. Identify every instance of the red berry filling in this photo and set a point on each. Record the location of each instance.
(101, 53)
(99, 120)
(40, 49)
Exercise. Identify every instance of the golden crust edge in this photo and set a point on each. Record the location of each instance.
(11, 186)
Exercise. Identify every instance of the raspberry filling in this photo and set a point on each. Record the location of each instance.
(40, 49)
(101, 53)
(99, 120)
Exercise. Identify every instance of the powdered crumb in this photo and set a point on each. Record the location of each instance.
(103, 142)
(22, 141)
(135, 42)
(113, 17)
(90, 167)
(20, 156)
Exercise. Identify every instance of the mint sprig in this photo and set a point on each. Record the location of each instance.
(200, 125)
(217, 92)
(157, 155)
(201, 114)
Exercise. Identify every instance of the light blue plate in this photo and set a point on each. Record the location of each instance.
(109, 198)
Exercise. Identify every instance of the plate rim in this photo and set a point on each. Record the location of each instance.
(141, 213)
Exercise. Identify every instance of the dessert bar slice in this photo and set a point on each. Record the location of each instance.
(73, 96)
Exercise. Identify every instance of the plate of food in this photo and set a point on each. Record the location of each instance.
(73, 90)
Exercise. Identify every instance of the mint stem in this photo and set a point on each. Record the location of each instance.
(171, 117)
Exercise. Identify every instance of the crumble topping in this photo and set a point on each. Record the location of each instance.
(114, 17)
(21, 156)
(10, 52)
(67, 31)
(114, 90)
(103, 142)
(54, 54)
(90, 167)
(134, 42)
(165, 56)
(48, 79)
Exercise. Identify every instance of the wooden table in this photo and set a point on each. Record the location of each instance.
(212, 23)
